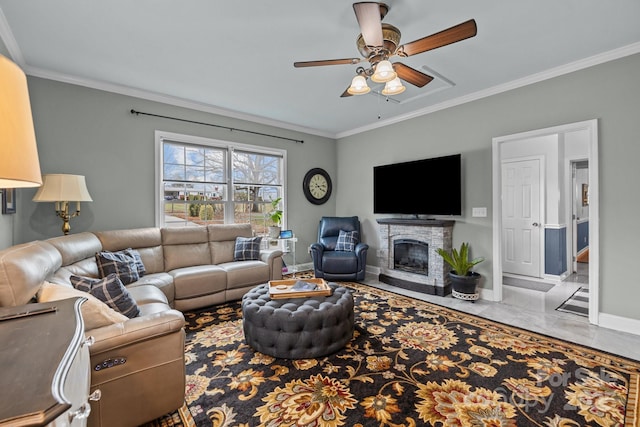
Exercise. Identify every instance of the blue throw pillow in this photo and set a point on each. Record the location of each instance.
(347, 241)
(247, 248)
(120, 263)
(109, 290)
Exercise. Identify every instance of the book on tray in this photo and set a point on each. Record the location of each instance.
(301, 285)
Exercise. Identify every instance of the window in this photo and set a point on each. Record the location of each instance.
(203, 181)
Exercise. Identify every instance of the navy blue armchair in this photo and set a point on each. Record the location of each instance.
(339, 255)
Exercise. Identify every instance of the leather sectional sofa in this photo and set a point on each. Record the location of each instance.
(138, 363)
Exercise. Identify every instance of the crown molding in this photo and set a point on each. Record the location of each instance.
(505, 87)
(10, 42)
(168, 99)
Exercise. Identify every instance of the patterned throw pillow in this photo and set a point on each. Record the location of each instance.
(347, 241)
(109, 290)
(136, 257)
(247, 248)
(119, 263)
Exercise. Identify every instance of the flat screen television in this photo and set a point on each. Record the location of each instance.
(420, 187)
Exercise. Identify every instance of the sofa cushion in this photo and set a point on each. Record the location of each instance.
(185, 247)
(76, 247)
(122, 264)
(191, 282)
(247, 248)
(241, 274)
(339, 262)
(147, 241)
(95, 313)
(162, 281)
(222, 239)
(147, 294)
(347, 241)
(111, 291)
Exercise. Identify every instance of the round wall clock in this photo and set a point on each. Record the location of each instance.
(317, 186)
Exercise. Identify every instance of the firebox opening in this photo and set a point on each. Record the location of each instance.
(411, 256)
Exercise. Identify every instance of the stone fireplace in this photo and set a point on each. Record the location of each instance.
(407, 256)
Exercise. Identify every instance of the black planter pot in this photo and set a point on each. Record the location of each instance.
(464, 287)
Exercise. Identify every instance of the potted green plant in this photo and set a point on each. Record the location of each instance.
(463, 280)
(276, 218)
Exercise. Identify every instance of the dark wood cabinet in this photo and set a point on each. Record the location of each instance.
(44, 356)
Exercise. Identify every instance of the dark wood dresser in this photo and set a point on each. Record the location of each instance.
(44, 357)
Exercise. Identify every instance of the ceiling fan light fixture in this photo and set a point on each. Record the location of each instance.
(358, 86)
(384, 72)
(394, 87)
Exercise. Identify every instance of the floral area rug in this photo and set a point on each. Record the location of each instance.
(410, 363)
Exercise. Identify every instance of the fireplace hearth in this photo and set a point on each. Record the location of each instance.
(407, 256)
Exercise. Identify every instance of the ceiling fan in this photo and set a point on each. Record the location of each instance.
(378, 42)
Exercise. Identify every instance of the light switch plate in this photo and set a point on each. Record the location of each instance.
(479, 212)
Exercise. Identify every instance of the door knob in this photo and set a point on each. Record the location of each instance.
(535, 224)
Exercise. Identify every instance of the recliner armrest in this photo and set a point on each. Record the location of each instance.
(360, 248)
(317, 250)
(361, 253)
(135, 330)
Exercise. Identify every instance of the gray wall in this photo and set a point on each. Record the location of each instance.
(91, 132)
(609, 92)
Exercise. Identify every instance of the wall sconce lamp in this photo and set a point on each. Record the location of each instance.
(63, 189)
(19, 164)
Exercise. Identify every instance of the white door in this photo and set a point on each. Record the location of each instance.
(521, 224)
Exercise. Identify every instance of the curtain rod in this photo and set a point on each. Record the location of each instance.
(137, 113)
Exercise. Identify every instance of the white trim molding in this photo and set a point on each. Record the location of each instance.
(619, 323)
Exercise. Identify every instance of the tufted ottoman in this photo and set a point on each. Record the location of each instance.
(297, 328)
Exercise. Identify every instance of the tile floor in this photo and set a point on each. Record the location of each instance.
(535, 311)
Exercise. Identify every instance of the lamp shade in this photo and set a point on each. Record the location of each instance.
(384, 72)
(394, 87)
(19, 164)
(358, 86)
(63, 188)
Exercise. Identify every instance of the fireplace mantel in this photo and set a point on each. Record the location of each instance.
(435, 233)
(417, 222)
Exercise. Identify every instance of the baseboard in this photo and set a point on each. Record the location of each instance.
(619, 323)
(370, 269)
(555, 278)
(486, 294)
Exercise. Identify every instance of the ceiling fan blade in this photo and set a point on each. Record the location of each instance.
(450, 35)
(411, 75)
(368, 16)
(350, 61)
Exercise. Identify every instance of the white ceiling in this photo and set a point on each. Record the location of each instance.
(236, 57)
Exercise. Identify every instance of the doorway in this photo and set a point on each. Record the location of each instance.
(556, 145)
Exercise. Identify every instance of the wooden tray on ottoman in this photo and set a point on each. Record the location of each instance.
(283, 288)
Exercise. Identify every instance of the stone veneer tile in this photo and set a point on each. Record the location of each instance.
(437, 234)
